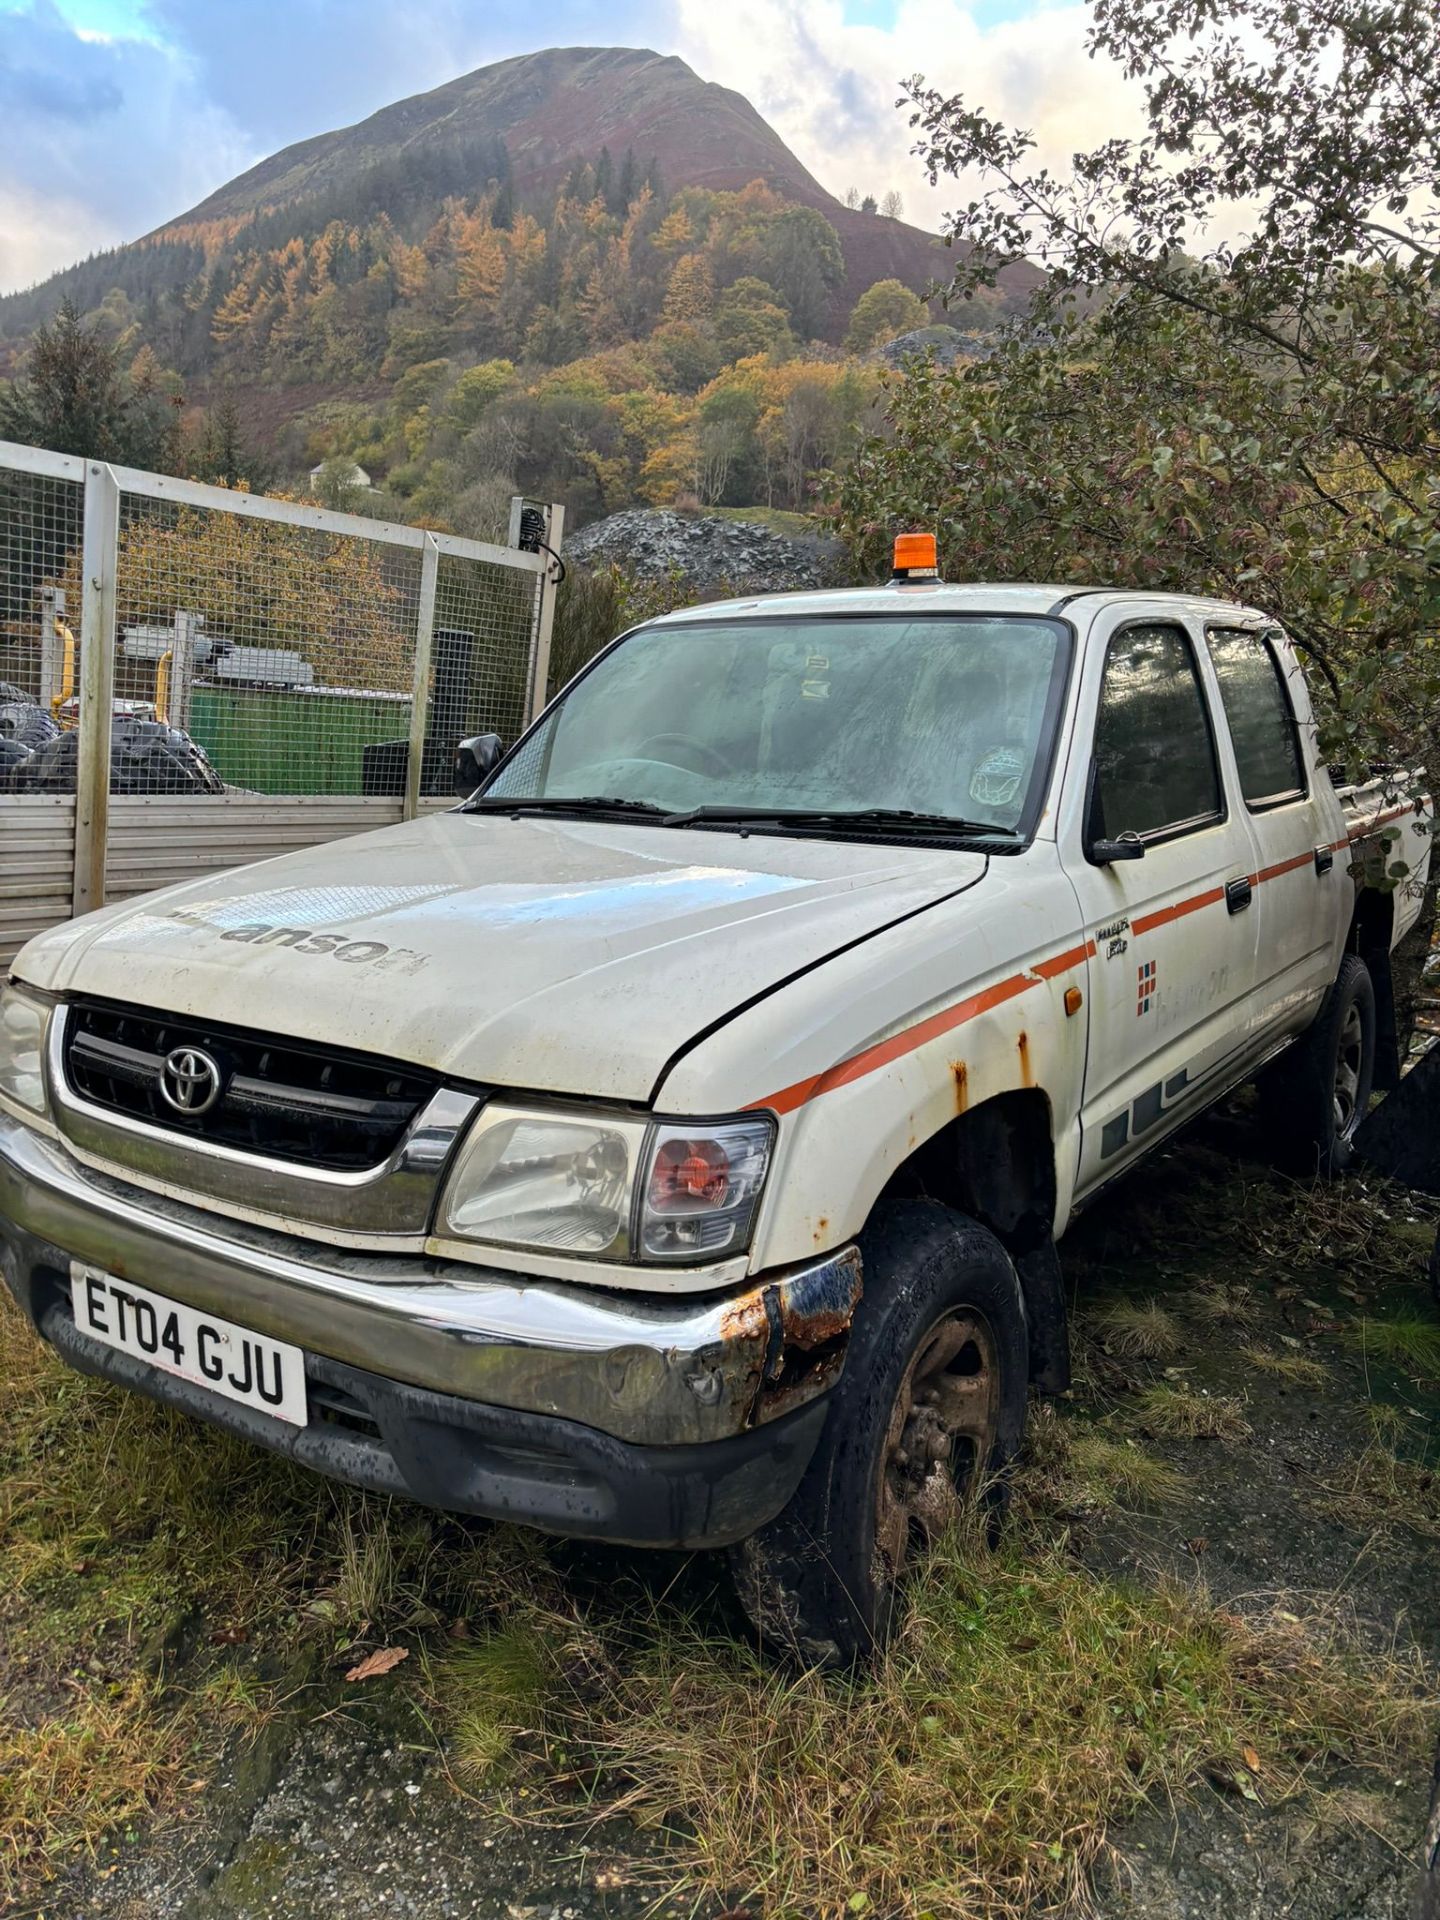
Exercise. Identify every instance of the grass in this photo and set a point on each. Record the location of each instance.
(1362, 1225)
(1406, 1342)
(160, 1587)
(1225, 1305)
(1139, 1329)
(1288, 1369)
(1074, 1466)
(73, 1776)
(126, 1534)
(1178, 1413)
(777, 519)
(492, 1694)
(1381, 1488)
(1026, 1705)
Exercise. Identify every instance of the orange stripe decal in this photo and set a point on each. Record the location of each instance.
(871, 1059)
(1306, 859)
(1373, 826)
(1176, 911)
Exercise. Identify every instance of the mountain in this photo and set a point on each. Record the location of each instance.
(583, 274)
(549, 109)
(553, 107)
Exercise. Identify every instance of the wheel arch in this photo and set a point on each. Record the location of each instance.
(996, 1164)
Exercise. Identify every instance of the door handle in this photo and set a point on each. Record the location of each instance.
(1324, 859)
(1238, 894)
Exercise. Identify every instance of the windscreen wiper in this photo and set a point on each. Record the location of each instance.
(881, 819)
(556, 803)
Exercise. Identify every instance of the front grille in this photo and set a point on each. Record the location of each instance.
(285, 1099)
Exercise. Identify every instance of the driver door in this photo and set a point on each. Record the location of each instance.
(1171, 930)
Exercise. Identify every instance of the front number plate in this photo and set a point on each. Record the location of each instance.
(249, 1367)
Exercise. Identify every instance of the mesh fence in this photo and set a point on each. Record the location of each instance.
(41, 528)
(285, 654)
(480, 659)
(264, 653)
(254, 652)
(279, 657)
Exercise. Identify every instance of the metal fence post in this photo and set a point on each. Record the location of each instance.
(420, 681)
(52, 607)
(182, 670)
(99, 561)
(545, 614)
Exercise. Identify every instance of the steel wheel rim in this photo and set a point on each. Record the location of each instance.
(940, 1437)
(1349, 1060)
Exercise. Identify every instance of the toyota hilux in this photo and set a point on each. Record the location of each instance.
(671, 1142)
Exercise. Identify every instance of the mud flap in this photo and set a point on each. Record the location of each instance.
(1043, 1286)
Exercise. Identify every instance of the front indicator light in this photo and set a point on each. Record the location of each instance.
(704, 1188)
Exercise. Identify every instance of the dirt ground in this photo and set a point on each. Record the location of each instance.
(1300, 1438)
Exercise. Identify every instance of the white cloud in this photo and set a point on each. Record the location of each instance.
(104, 137)
(41, 231)
(828, 86)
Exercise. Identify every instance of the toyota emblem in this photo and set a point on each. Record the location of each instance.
(190, 1081)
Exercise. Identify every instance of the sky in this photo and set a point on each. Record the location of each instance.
(116, 115)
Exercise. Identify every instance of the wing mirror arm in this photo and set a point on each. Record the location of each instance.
(475, 760)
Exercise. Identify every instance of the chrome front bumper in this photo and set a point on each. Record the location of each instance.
(650, 1370)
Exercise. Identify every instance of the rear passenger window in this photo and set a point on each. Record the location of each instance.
(1262, 725)
(1155, 766)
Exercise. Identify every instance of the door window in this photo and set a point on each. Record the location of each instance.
(1262, 724)
(1155, 770)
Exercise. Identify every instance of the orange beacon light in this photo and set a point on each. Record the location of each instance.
(915, 557)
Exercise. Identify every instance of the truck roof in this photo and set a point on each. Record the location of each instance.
(940, 596)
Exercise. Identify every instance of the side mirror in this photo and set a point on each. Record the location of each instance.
(1104, 852)
(475, 760)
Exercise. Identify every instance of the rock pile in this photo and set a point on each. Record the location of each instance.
(706, 551)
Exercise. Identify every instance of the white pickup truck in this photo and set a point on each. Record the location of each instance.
(670, 1144)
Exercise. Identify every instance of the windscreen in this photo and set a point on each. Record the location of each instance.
(945, 715)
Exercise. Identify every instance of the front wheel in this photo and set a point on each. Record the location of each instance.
(928, 1414)
(1316, 1095)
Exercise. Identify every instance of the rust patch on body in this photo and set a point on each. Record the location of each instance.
(798, 1328)
(961, 1075)
(822, 1227)
(793, 1390)
(815, 1307)
(1027, 1072)
(745, 1319)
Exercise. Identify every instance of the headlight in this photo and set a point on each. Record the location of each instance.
(23, 1021)
(608, 1187)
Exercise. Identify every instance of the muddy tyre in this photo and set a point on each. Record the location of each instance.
(928, 1413)
(1316, 1095)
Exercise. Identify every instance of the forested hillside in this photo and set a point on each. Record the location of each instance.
(434, 321)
